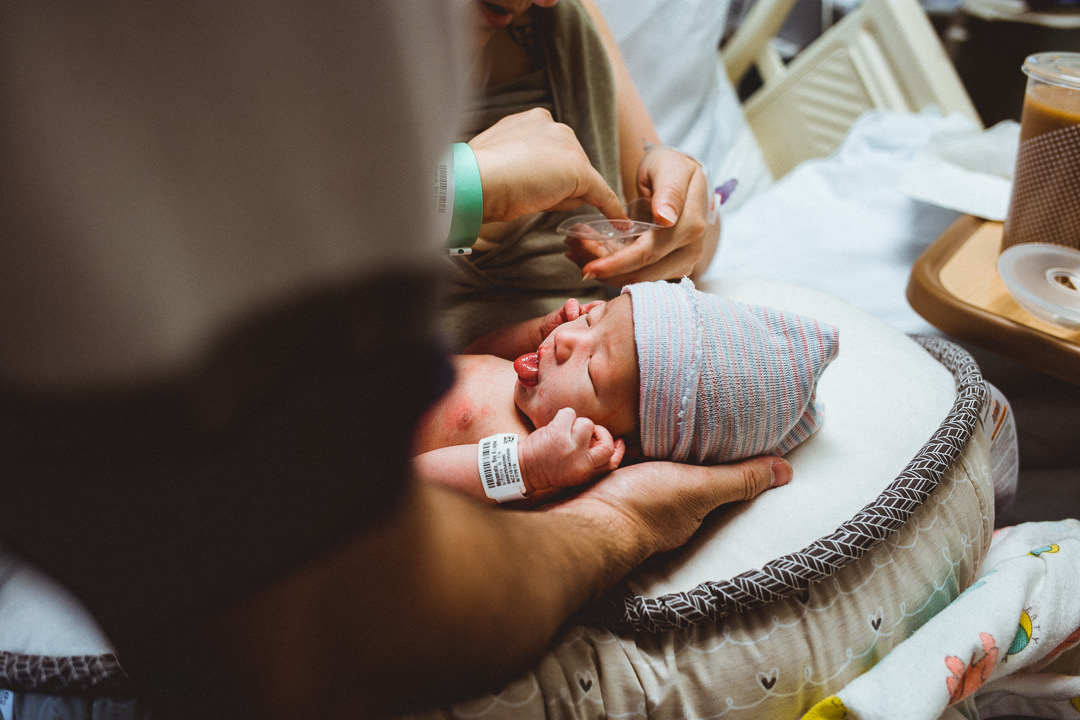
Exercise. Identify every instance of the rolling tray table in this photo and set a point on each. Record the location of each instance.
(955, 285)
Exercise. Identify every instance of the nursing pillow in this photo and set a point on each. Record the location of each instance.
(880, 452)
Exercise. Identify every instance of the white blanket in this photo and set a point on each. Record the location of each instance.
(847, 225)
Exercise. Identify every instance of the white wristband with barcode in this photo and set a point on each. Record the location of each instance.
(500, 474)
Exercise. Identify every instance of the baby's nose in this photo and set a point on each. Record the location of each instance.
(567, 340)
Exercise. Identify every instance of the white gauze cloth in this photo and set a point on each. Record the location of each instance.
(723, 380)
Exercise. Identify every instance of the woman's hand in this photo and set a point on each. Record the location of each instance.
(682, 201)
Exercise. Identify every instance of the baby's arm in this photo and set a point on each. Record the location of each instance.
(453, 467)
(566, 452)
(515, 340)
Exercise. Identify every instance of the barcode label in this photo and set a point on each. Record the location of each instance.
(440, 193)
(499, 471)
(487, 465)
(442, 196)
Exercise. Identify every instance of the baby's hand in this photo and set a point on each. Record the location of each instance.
(570, 311)
(568, 451)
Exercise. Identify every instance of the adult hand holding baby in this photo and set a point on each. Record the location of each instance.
(656, 506)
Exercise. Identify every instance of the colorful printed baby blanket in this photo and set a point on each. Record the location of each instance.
(1009, 645)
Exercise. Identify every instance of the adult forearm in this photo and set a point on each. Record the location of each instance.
(445, 599)
(483, 592)
(516, 576)
(449, 597)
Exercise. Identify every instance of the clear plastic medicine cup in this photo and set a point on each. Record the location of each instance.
(612, 235)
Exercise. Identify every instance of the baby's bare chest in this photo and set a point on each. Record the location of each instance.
(480, 403)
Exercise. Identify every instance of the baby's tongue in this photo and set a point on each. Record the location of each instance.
(528, 368)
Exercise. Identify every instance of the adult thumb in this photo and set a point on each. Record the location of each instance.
(748, 479)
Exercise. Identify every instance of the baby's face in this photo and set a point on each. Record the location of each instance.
(589, 365)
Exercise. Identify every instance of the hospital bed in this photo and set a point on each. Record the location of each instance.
(776, 604)
(884, 55)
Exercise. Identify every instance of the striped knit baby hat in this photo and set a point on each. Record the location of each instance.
(723, 380)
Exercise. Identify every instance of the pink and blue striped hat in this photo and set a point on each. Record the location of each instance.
(723, 380)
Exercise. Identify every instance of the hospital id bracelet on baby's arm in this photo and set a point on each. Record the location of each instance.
(500, 474)
(459, 199)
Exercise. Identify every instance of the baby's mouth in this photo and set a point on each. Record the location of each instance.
(528, 368)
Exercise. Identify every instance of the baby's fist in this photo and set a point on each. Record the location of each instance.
(568, 451)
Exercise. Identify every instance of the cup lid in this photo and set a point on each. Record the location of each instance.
(1055, 68)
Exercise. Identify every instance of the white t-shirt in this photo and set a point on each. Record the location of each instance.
(671, 50)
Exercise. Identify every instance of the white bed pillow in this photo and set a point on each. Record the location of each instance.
(884, 396)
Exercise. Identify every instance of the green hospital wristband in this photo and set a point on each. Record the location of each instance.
(468, 212)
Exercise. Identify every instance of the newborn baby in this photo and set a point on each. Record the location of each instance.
(663, 370)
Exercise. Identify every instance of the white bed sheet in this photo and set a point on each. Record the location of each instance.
(39, 616)
(844, 225)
